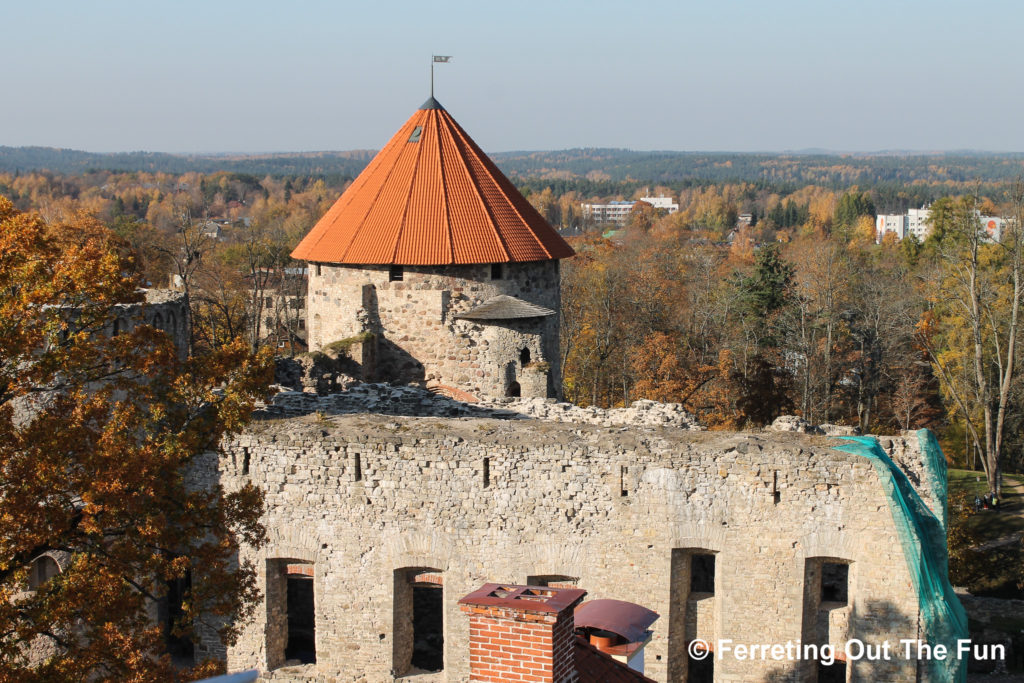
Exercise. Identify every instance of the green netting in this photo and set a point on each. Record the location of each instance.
(935, 471)
(922, 534)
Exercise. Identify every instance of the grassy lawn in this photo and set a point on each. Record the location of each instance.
(989, 524)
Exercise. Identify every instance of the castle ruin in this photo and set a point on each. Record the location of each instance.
(384, 513)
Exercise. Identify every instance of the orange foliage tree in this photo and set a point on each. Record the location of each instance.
(97, 432)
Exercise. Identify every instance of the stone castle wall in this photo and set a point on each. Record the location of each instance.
(373, 501)
(420, 339)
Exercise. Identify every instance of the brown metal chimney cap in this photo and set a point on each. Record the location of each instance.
(524, 598)
(622, 618)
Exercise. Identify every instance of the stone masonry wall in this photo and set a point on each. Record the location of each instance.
(366, 497)
(419, 337)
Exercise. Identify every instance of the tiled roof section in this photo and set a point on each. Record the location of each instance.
(594, 666)
(505, 307)
(431, 197)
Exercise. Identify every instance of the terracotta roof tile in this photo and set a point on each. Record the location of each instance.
(431, 198)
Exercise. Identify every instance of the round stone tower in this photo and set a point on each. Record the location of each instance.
(435, 256)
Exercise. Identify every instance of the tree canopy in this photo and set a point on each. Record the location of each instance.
(97, 432)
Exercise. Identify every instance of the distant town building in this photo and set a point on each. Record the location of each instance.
(915, 222)
(665, 203)
(618, 212)
(894, 223)
(612, 212)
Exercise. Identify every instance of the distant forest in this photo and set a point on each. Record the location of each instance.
(589, 172)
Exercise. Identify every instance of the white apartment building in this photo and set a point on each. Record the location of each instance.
(895, 223)
(915, 222)
(618, 212)
(665, 203)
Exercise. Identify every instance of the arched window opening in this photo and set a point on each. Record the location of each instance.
(524, 357)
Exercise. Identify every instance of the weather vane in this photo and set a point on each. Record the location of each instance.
(443, 59)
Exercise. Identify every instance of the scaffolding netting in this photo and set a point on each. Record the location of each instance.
(922, 534)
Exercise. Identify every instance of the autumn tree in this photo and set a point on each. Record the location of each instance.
(184, 250)
(972, 335)
(97, 433)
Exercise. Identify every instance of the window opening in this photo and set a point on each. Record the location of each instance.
(487, 472)
(396, 274)
(301, 619)
(496, 273)
(416, 132)
(245, 461)
(701, 670)
(43, 569)
(702, 573)
(623, 471)
(514, 390)
(524, 357)
(357, 467)
(835, 582)
(836, 673)
(418, 629)
(427, 627)
(177, 593)
(553, 581)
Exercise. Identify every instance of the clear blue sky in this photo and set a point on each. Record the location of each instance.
(740, 75)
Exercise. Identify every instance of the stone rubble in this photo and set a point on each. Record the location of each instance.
(795, 423)
(414, 401)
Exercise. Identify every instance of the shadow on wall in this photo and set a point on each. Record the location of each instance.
(877, 616)
(395, 364)
(405, 401)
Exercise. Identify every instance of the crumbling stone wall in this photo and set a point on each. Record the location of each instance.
(420, 338)
(482, 499)
(164, 309)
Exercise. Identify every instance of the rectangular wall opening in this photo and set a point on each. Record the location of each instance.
(834, 673)
(301, 645)
(825, 613)
(702, 573)
(553, 581)
(701, 670)
(172, 610)
(835, 582)
(691, 612)
(418, 621)
(291, 613)
(428, 627)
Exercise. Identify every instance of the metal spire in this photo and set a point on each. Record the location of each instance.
(443, 59)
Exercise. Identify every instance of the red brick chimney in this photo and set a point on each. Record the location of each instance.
(522, 633)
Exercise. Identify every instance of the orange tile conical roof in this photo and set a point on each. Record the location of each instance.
(431, 197)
